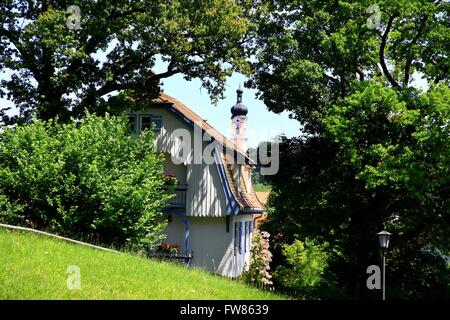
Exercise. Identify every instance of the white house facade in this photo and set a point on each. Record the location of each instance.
(212, 214)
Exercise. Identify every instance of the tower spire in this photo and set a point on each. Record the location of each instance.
(239, 94)
(239, 121)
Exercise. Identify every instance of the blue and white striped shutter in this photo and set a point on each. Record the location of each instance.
(247, 235)
(250, 233)
(241, 242)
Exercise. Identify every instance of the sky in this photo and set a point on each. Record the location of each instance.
(262, 124)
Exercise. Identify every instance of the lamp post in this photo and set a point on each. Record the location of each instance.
(383, 238)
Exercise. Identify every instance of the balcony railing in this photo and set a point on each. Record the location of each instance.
(185, 257)
(179, 200)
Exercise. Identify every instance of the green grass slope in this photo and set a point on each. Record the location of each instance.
(35, 267)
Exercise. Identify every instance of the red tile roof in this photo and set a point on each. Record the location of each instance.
(247, 200)
(263, 197)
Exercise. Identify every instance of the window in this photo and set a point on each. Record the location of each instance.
(132, 123)
(148, 120)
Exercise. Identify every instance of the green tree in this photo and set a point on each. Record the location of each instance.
(86, 180)
(258, 179)
(304, 271)
(64, 60)
(375, 153)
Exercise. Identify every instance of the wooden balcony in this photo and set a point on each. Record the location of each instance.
(179, 200)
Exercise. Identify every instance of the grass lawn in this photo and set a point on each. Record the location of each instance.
(35, 267)
(259, 187)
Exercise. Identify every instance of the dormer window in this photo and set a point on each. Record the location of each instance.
(140, 122)
(132, 123)
(148, 120)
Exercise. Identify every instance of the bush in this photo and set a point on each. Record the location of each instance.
(305, 266)
(260, 258)
(423, 275)
(87, 180)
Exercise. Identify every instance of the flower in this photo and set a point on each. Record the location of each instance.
(169, 248)
(170, 179)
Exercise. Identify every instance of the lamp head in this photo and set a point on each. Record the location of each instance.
(383, 238)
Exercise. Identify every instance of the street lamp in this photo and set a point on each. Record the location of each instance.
(383, 238)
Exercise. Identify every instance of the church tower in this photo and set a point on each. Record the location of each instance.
(239, 122)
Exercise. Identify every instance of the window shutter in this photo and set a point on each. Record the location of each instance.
(250, 232)
(241, 242)
(247, 236)
(235, 237)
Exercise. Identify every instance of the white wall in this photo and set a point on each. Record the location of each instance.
(210, 243)
(179, 170)
(214, 247)
(175, 231)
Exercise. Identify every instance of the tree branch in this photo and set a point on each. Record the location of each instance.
(441, 77)
(413, 42)
(382, 47)
(171, 70)
(360, 72)
(12, 36)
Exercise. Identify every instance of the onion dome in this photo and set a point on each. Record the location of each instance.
(239, 109)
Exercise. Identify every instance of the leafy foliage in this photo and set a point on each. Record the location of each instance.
(264, 149)
(305, 267)
(374, 105)
(89, 179)
(311, 52)
(60, 71)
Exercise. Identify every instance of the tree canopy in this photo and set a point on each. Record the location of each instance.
(310, 52)
(369, 82)
(66, 56)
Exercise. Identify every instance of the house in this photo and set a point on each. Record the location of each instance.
(212, 215)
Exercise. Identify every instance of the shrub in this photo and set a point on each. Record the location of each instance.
(305, 266)
(260, 258)
(87, 180)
